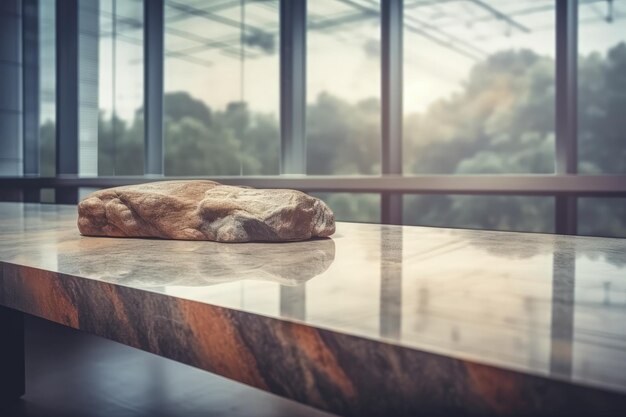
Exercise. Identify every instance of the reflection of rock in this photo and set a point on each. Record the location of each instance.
(510, 244)
(151, 263)
(204, 210)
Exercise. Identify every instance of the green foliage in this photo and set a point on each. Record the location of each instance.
(602, 112)
(180, 105)
(120, 147)
(343, 139)
(198, 141)
(233, 142)
(503, 122)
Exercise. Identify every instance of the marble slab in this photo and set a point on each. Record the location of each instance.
(377, 320)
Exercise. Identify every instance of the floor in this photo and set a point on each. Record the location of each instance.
(73, 374)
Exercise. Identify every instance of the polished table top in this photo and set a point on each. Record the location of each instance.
(541, 304)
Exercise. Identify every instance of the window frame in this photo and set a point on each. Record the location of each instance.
(565, 185)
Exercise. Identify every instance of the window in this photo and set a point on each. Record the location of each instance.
(602, 88)
(343, 87)
(479, 89)
(221, 88)
(120, 88)
(479, 94)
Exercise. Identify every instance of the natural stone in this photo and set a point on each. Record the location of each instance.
(204, 210)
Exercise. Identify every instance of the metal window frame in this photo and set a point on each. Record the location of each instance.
(565, 209)
(523, 185)
(293, 28)
(153, 47)
(566, 155)
(67, 103)
(392, 26)
(293, 148)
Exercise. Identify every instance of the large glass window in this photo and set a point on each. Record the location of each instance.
(343, 87)
(221, 88)
(479, 94)
(602, 87)
(120, 89)
(479, 98)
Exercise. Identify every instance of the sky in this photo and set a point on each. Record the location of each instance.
(345, 60)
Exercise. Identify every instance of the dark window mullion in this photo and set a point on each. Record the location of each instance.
(67, 106)
(293, 28)
(153, 86)
(391, 83)
(565, 210)
(566, 161)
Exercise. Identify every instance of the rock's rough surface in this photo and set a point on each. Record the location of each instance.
(204, 210)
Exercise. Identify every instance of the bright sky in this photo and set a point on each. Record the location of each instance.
(344, 60)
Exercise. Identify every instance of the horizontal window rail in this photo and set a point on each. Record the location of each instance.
(537, 185)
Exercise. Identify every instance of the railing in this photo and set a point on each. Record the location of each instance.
(558, 186)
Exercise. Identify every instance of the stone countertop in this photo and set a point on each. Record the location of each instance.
(530, 307)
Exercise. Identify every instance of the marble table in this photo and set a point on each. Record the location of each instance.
(378, 320)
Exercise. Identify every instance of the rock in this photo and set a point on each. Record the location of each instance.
(204, 210)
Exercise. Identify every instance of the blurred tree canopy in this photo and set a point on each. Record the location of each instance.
(500, 122)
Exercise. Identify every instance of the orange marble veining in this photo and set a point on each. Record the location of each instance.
(220, 348)
(313, 348)
(501, 392)
(48, 297)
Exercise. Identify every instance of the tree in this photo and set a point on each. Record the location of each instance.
(602, 100)
(179, 105)
(343, 138)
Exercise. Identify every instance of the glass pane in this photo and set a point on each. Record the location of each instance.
(47, 88)
(221, 88)
(515, 213)
(602, 87)
(602, 217)
(88, 73)
(120, 92)
(343, 87)
(353, 207)
(479, 87)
